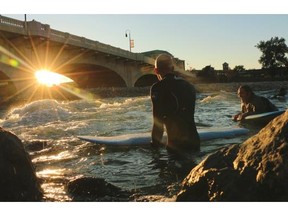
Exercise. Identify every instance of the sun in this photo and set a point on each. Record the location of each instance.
(50, 78)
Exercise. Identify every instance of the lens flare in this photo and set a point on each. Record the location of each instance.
(9, 61)
(49, 78)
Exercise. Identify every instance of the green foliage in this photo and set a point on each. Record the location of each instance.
(273, 53)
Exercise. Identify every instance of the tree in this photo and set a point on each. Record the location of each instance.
(273, 53)
(239, 68)
(207, 71)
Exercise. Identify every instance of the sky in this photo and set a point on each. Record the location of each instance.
(200, 37)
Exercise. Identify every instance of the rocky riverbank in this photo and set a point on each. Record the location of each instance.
(256, 170)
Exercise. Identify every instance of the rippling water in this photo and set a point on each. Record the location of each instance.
(64, 157)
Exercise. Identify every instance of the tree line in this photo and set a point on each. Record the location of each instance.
(273, 60)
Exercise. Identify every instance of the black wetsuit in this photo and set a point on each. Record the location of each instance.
(257, 104)
(173, 101)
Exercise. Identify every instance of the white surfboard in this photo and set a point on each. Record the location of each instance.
(269, 115)
(261, 119)
(145, 138)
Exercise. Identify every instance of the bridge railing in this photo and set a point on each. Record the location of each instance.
(12, 25)
(11, 22)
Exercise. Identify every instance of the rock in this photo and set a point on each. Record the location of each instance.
(253, 171)
(18, 180)
(95, 189)
(32, 146)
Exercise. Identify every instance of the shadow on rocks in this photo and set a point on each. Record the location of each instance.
(18, 180)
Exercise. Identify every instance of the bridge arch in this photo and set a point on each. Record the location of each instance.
(146, 80)
(92, 75)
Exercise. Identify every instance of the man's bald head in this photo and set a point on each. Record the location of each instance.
(164, 62)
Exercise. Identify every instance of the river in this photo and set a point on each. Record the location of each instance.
(63, 157)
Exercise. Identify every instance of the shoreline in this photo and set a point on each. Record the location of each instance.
(200, 88)
(111, 92)
(233, 87)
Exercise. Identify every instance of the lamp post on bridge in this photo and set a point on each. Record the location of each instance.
(131, 42)
(25, 22)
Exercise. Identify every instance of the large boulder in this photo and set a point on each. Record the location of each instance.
(18, 181)
(256, 170)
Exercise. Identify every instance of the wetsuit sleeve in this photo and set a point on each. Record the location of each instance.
(157, 132)
(158, 125)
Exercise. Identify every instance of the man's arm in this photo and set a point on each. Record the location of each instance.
(238, 116)
(157, 132)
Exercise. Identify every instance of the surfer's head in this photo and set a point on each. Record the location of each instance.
(245, 93)
(164, 64)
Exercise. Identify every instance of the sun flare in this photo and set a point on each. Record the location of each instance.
(50, 78)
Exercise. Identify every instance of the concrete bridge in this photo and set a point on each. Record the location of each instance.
(26, 47)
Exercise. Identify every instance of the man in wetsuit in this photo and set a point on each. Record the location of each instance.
(252, 104)
(173, 101)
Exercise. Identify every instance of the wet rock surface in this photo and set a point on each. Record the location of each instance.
(253, 171)
(18, 180)
(95, 189)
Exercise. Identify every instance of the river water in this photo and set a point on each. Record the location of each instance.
(63, 157)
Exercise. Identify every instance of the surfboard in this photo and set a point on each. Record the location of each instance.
(262, 117)
(145, 138)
